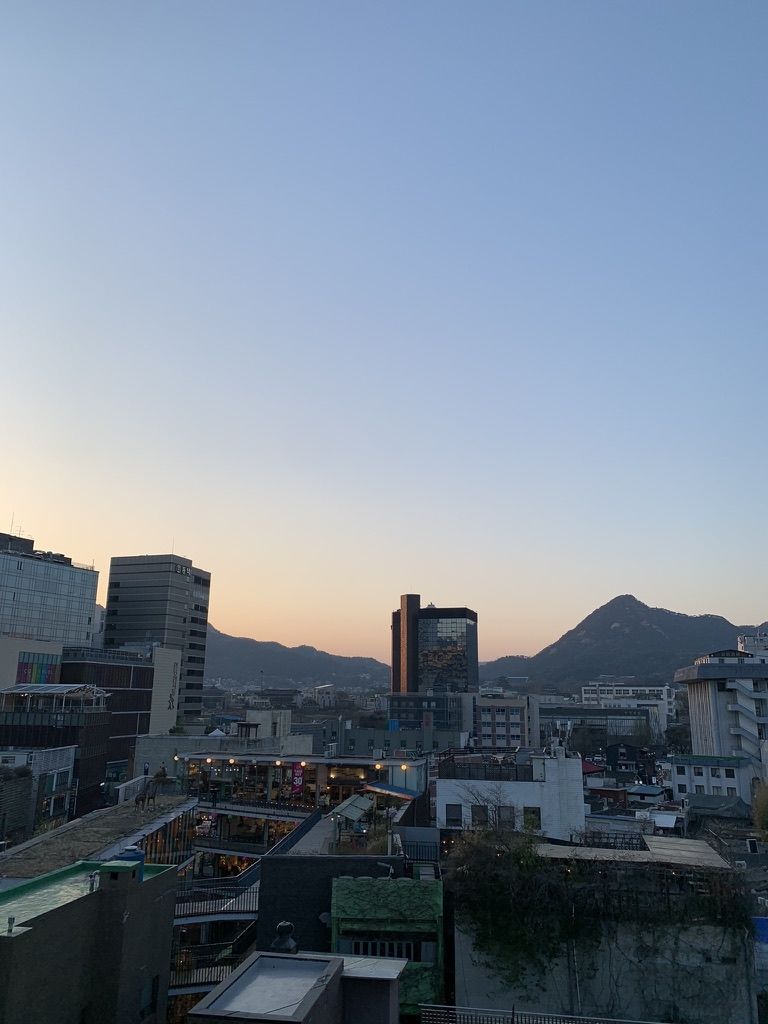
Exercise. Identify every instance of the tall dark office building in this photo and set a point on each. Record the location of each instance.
(162, 599)
(433, 648)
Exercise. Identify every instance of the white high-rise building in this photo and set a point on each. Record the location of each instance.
(44, 595)
(728, 705)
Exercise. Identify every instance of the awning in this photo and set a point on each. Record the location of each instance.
(664, 819)
(354, 807)
(383, 790)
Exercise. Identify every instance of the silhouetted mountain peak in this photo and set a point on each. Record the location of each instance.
(622, 637)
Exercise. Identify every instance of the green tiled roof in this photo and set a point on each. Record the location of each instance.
(387, 899)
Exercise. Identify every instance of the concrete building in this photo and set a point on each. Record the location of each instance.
(44, 595)
(433, 649)
(141, 682)
(707, 775)
(588, 727)
(604, 690)
(504, 722)
(57, 715)
(728, 704)
(15, 801)
(29, 661)
(545, 795)
(755, 644)
(305, 988)
(667, 943)
(54, 786)
(446, 712)
(400, 918)
(87, 944)
(162, 599)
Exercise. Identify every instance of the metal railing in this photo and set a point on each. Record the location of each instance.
(245, 846)
(250, 801)
(217, 898)
(475, 772)
(201, 967)
(427, 852)
(471, 1015)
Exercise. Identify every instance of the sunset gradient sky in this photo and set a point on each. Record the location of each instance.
(344, 300)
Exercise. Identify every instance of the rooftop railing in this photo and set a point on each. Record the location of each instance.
(470, 1015)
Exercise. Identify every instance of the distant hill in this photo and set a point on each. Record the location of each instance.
(235, 657)
(623, 637)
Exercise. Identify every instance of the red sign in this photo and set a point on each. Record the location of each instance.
(297, 778)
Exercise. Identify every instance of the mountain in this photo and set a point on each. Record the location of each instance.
(235, 657)
(623, 637)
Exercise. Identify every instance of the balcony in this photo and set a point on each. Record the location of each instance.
(254, 806)
(201, 968)
(218, 899)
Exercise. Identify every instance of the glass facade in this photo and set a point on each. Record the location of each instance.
(46, 599)
(447, 653)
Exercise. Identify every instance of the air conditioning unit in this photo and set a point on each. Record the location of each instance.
(740, 865)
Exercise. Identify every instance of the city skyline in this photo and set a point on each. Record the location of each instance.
(344, 303)
(378, 648)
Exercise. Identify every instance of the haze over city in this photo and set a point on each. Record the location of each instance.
(346, 301)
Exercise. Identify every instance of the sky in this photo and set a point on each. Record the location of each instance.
(345, 300)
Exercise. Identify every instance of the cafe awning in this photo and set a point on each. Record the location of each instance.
(354, 807)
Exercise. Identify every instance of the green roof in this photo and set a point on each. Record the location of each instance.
(49, 892)
(387, 899)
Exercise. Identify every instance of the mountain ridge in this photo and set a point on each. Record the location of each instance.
(622, 637)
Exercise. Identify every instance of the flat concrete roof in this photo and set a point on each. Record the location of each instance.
(690, 853)
(31, 899)
(87, 838)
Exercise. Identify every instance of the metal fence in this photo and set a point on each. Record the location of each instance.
(471, 1015)
(421, 851)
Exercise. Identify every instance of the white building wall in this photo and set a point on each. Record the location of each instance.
(557, 790)
(165, 689)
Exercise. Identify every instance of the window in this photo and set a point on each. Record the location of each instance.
(149, 993)
(506, 814)
(715, 773)
(680, 769)
(532, 817)
(698, 770)
(453, 818)
(699, 789)
(479, 815)
(717, 790)
(399, 948)
(731, 791)
(682, 788)
(730, 773)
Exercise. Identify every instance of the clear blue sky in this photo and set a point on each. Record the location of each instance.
(349, 299)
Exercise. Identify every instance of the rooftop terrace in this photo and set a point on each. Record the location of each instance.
(85, 838)
(29, 900)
